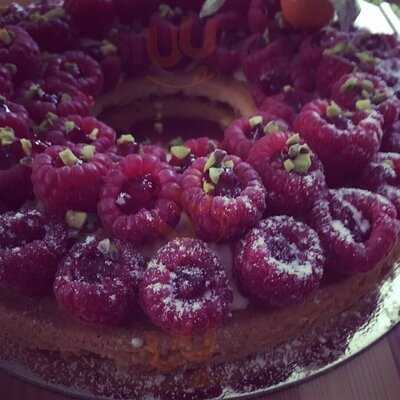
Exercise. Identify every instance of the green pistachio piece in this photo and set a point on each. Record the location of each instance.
(76, 219)
(350, 84)
(228, 164)
(94, 134)
(5, 36)
(26, 146)
(69, 126)
(104, 246)
(211, 161)
(215, 174)
(7, 136)
(365, 94)
(366, 57)
(178, 141)
(333, 110)
(289, 165)
(294, 139)
(379, 97)
(339, 48)
(272, 127)
(208, 187)
(302, 163)
(390, 163)
(367, 85)
(364, 105)
(87, 152)
(256, 120)
(180, 152)
(294, 150)
(127, 138)
(68, 157)
(66, 98)
(35, 90)
(108, 48)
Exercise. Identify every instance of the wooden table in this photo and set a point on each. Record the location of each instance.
(373, 375)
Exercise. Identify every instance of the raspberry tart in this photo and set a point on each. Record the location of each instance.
(183, 187)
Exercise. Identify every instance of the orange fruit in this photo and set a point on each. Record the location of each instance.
(307, 14)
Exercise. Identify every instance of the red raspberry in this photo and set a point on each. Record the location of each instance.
(6, 82)
(31, 246)
(76, 69)
(361, 91)
(280, 262)
(8, 107)
(377, 44)
(107, 55)
(13, 14)
(69, 178)
(185, 290)
(344, 147)
(92, 17)
(330, 70)
(49, 26)
(223, 196)
(391, 139)
(17, 48)
(240, 136)
(262, 14)
(130, 10)
(357, 229)
(140, 199)
(382, 176)
(98, 280)
(291, 173)
(53, 96)
(76, 129)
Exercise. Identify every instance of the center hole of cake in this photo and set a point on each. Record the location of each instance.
(228, 184)
(137, 194)
(190, 282)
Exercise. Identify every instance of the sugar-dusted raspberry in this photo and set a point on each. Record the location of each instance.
(17, 48)
(107, 54)
(91, 17)
(53, 96)
(76, 129)
(240, 136)
(185, 289)
(183, 155)
(69, 178)
(31, 245)
(262, 15)
(76, 69)
(98, 280)
(50, 26)
(357, 229)
(140, 199)
(6, 82)
(223, 196)
(361, 91)
(378, 44)
(344, 147)
(382, 176)
(292, 174)
(330, 69)
(391, 139)
(279, 262)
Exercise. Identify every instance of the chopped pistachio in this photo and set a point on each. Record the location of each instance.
(76, 219)
(390, 163)
(228, 164)
(367, 85)
(127, 138)
(165, 10)
(256, 120)
(363, 105)
(208, 187)
(104, 246)
(5, 36)
(272, 127)
(294, 150)
(26, 146)
(365, 94)
(66, 98)
(379, 97)
(350, 84)
(289, 165)
(7, 136)
(339, 48)
(68, 157)
(215, 174)
(302, 163)
(294, 139)
(180, 152)
(87, 152)
(47, 122)
(211, 161)
(178, 141)
(35, 90)
(333, 110)
(69, 126)
(56, 12)
(108, 48)
(94, 134)
(366, 57)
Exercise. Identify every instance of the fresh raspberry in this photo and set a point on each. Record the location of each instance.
(388, 71)
(107, 55)
(391, 139)
(13, 14)
(69, 178)
(185, 290)
(132, 10)
(76, 69)
(330, 70)
(292, 174)
(17, 48)
(140, 199)
(223, 196)
(92, 17)
(6, 82)
(262, 14)
(382, 176)
(53, 96)
(279, 262)
(240, 136)
(75, 129)
(154, 150)
(183, 155)
(98, 281)
(19, 111)
(50, 27)
(361, 91)
(31, 246)
(344, 147)
(357, 229)
(378, 44)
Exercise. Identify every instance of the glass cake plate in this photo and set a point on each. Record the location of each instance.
(317, 351)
